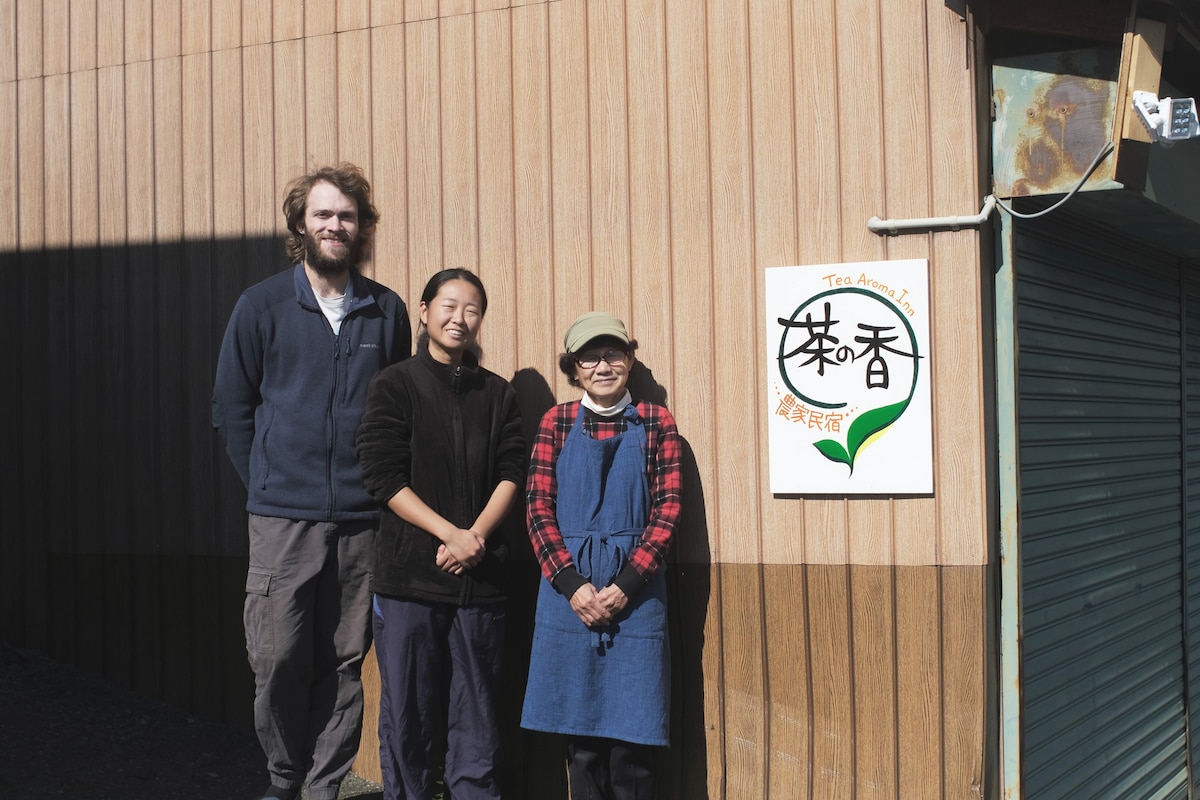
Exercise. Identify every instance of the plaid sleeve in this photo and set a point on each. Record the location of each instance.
(664, 455)
(541, 488)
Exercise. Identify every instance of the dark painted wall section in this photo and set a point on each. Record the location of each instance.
(123, 549)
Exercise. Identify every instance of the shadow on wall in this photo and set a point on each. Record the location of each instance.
(535, 761)
(126, 551)
(124, 547)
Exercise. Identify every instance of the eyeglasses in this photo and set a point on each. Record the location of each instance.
(610, 357)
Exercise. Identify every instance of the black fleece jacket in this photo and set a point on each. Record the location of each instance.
(451, 434)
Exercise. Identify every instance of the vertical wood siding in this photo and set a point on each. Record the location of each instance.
(649, 158)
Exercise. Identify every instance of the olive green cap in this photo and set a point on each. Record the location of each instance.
(593, 325)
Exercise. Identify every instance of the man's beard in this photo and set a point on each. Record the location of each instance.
(316, 258)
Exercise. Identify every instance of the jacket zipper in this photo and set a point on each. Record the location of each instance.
(331, 422)
(460, 467)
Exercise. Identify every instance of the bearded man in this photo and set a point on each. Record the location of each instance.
(291, 384)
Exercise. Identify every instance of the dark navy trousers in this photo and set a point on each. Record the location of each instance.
(439, 669)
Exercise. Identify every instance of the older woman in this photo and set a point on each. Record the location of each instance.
(603, 499)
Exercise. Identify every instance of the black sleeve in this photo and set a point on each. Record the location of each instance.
(384, 440)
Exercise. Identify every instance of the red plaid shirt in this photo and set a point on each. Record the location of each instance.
(663, 454)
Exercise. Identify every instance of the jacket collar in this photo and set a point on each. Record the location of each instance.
(358, 294)
(449, 374)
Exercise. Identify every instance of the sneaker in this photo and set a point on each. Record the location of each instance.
(277, 793)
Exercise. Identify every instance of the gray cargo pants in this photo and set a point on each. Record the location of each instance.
(308, 627)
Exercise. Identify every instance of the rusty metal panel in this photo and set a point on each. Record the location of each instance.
(1053, 117)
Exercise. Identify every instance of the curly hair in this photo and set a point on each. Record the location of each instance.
(350, 181)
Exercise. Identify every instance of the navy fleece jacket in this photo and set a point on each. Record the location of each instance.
(289, 393)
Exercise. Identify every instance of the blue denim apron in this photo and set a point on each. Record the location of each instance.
(613, 681)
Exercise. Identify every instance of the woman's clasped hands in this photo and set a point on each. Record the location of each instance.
(596, 609)
(460, 550)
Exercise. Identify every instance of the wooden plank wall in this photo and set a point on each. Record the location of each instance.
(649, 158)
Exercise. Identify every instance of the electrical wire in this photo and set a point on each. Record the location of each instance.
(1108, 148)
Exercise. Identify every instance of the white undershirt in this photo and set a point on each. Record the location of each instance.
(335, 310)
(611, 411)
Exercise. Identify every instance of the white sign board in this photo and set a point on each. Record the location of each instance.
(848, 368)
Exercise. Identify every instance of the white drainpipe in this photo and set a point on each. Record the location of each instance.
(895, 226)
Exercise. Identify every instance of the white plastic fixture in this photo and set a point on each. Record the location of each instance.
(1168, 119)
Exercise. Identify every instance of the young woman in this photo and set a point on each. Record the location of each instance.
(603, 499)
(441, 448)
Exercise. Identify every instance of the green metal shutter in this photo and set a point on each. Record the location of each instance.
(1191, 284)
(1101, 506)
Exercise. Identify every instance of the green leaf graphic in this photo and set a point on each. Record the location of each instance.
(833, 451)
(870, 423)
(867, 425)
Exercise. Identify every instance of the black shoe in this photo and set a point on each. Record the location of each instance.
(277, 793)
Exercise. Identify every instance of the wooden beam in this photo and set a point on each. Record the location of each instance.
(1141, 70)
